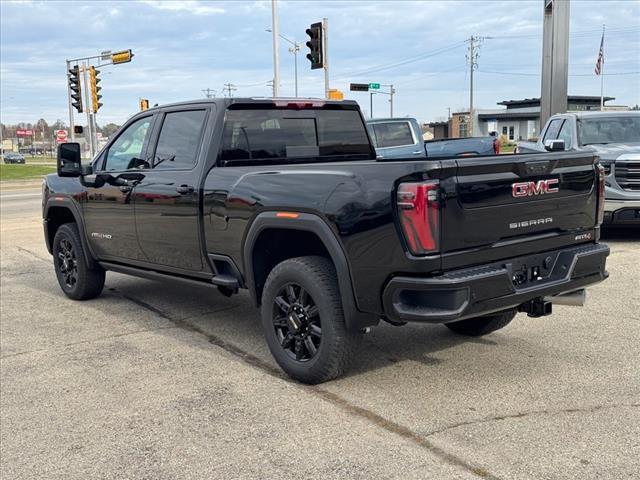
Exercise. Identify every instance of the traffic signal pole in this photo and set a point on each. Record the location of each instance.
(325, 53)
(71, 122)
(87, 98)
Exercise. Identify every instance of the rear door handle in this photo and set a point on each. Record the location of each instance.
(125, 188)
(184, 189)
(417, 152)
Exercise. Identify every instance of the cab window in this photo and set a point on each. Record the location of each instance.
(179, 140)
(127, 151)
(565, 134)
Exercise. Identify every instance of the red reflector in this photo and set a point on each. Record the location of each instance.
(601, 199)
(419, 216)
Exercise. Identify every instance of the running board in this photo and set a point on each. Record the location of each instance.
(152, 274)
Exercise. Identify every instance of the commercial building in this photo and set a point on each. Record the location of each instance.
(519, 120)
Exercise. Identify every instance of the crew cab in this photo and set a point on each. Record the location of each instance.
(402, 138)
(285, 198)
(614, 136)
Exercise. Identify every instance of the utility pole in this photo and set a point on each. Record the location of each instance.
(370, 104)
(276, 57)
(325, 53)
(208, 93)
(391, 92)
(230, 87)
(472, 58)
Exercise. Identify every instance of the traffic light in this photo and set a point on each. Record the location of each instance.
(74, 86)
(144, 104)
(315, 44)
(95, 96)
(121, 57)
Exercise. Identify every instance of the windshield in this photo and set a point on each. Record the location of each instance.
(603, 130)
(287, 136)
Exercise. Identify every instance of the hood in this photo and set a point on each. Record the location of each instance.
(612, 151)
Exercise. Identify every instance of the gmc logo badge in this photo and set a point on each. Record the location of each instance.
(527, 189)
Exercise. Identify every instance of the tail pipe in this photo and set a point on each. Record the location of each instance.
(573, 299)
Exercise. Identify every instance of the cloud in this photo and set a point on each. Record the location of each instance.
(189, 6)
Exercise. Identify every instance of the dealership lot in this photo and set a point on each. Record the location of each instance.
(163, 381)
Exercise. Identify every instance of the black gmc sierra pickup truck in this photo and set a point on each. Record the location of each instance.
(285, 198)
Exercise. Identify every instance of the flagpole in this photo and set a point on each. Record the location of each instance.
(602, 74)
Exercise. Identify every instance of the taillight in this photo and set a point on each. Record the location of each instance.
(496, 146)
(600, 193)
(419, 216)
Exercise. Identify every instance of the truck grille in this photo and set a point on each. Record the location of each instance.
(628, 174)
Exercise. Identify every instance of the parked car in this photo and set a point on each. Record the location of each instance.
(285, 198)
(615, 138)
(402, 138)
(11, 157)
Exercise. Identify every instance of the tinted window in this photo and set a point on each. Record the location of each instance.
(565, 134)
(272, 135)
(126, 151)
(179, 139)
(393, 134)
(553, 129)
(622, 129)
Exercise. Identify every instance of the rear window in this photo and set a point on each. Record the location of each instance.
(290, 136)
(392, 134)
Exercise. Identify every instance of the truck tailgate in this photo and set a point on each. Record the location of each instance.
(505, 200)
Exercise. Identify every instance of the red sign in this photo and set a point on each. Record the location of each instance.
(61, 136)
(24, 133)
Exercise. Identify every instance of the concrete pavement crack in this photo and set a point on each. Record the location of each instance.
(334, 399)
(90, 340)
(593, 408)
(33, 254)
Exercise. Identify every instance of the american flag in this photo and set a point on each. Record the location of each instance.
(600, 60)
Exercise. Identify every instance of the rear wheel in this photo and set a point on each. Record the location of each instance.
(77, 280)
(303, 320)
(478, 326)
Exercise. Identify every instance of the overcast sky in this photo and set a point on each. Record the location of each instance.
(183, 47)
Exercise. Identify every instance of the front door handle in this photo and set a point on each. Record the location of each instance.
(184, 189)
(417, 152)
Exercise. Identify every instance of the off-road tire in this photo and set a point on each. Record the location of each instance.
(478, 326)
(337, 345)
(87, 282)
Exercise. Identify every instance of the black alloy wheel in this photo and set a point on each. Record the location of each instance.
(67, 263)
(78, 279)
(297, 323)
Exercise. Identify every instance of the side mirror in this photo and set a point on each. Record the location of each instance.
(69, 164)
(554, 145)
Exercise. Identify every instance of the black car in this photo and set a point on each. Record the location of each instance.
(13, 158)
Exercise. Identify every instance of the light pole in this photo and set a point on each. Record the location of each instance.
(276, 56)
(295, 48)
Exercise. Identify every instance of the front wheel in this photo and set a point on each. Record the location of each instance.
(304, 322)
(478, 326)
(77, 280)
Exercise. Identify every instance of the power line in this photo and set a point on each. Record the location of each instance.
(524, 74)
(407, 60)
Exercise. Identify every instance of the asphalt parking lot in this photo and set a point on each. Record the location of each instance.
(160, 381)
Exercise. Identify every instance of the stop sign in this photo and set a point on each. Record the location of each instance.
(61, 136)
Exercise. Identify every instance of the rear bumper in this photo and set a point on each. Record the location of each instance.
(476, 291)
